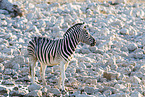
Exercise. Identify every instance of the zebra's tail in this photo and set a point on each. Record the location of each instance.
(30, 70)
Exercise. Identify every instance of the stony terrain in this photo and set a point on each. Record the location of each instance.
(115, 67)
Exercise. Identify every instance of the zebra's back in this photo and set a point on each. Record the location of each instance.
(45, 50)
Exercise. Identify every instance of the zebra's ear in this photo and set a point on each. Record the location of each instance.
(83, 25)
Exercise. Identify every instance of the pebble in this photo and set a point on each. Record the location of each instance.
(119, 95)
(35, 93)
(4, 91)
(124, 31)
(34, 87)
(17, 93)
(6, 77)
(117, 58)
(120, 86)
(135, 79)
(55, 91)
(111, 75)
(8, 82)
(132, 47)
(1, 68)
(136, 94)
(89, 90)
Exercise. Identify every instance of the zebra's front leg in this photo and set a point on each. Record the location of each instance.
(42, 73)
(62, 76)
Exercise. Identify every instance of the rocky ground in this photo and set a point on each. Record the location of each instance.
(115, 67)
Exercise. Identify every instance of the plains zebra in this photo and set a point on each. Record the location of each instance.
(52, 52)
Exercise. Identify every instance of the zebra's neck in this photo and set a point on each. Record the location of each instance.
(69, 45)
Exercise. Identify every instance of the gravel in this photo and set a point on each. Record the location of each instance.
(115, 67)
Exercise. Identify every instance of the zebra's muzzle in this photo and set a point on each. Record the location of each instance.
(94, 43)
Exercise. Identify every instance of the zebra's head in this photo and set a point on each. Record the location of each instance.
(81, 33)
(86, 37)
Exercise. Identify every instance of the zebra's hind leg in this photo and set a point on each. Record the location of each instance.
(32, 63)
(42, 73)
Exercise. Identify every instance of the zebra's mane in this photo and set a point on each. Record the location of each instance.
(71, 29)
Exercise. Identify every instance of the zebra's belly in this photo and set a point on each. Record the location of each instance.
(53, 62)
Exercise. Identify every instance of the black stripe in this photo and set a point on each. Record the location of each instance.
(69, 43)
(63, 46)
(66, 48)
(55, 48)
(73, 48)
(50, 50)
(31, 43)
(42, 49)
(38, 45)
(48, 43)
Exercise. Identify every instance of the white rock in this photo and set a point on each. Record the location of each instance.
(56, 29)
(120, 1)
(4, 90)
(35, 93)
(84, 95)
(93, 49)
(8, 51)
(89, 90)
(117, 23)
(8, 82)
(111, 75)
(93, 6)
(9, 72)
(132, 46)
(105, 31)
(34, 87)
(100, 71)
(124, 31)
(135, 80)
(18, 59)
(91, 81)
(2, 16)
(142, 69)
(3, 12)
(34, 29)
(107, 92)
(1, 68)
(89, 12)
(138, 12)
(138, 53)
(119, 95)
(24, 51)
(124, 70)
(136, 94)
(4, 57)
(3, 23)
(16, 66)
(82, 65)
(120, 86)
(24, 69)
(54, 91)
(112, 62)
(42, 5)
(54, 4)
(17, 93)
(85, 51)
